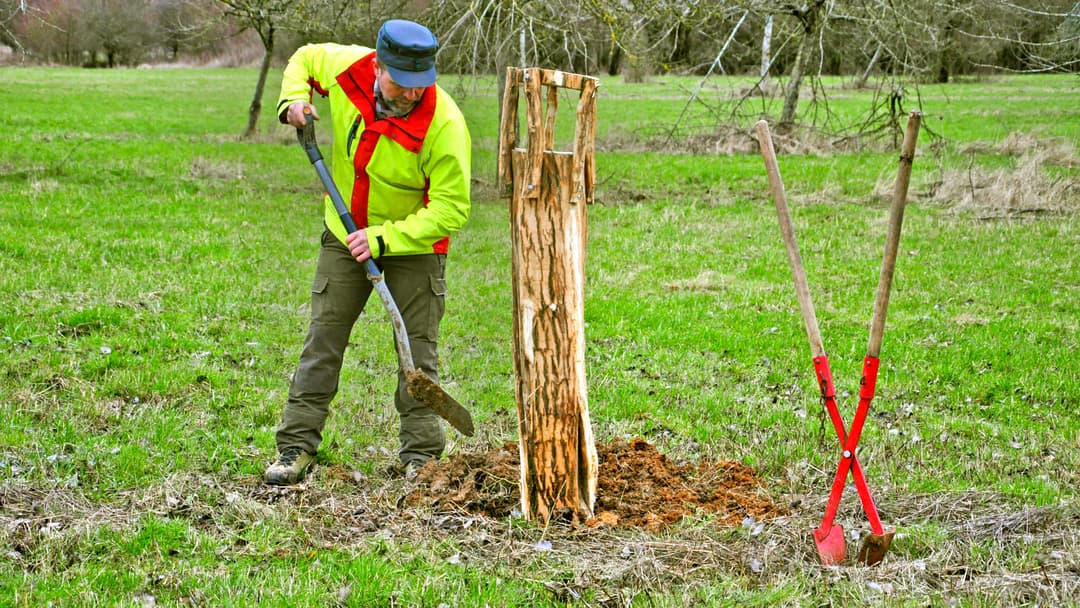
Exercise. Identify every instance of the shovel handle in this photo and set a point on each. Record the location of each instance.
(802, 289)
(892, 238)
(306, 135)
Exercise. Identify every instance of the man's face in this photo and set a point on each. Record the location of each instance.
(398, 99)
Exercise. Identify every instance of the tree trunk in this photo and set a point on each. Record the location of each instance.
(811, 21)
(791, 96)
(766, 54)
(639, 66)
(946, 55)
(547, 226)
(614, 60)
(870, 66)
(264, 68)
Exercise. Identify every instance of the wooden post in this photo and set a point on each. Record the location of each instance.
(548, 193)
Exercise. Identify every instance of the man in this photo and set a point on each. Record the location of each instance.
(401, 158)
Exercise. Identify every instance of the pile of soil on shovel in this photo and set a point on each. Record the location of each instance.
(638, 487)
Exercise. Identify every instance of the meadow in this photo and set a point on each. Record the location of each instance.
(154, 283)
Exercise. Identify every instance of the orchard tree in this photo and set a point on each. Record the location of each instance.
(811, 18)
(266, 18)
(270, 18)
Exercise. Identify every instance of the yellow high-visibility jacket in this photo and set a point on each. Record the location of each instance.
(406, 178)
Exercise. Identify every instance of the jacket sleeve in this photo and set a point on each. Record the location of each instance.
(447, 163)
(314, 67)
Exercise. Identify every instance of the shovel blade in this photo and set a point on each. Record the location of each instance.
(875, 546)
(830, 545)
(426, 391)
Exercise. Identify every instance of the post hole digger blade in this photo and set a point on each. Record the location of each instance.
(423, 389)
(829, 536)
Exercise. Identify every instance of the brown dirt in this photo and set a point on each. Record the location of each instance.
(638, 487)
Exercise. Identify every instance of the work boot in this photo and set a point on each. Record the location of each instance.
(290, 467)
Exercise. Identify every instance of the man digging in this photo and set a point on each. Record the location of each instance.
(401, 158)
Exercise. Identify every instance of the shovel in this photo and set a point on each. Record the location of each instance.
(829, 536)
(422, 388)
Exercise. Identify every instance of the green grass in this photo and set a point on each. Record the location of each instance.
(154, 274)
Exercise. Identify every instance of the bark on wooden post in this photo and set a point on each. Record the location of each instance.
(548, 193)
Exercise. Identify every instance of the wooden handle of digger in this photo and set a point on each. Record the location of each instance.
(802, 290)
(892, 238)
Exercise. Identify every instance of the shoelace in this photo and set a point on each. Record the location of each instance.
(288, 457)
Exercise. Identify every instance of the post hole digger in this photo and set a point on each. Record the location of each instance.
(420, 386)
(829, 536)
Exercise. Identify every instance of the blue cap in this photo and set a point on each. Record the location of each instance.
(407, 51)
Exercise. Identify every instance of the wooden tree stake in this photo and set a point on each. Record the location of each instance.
(548, 193)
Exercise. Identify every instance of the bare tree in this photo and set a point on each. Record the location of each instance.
(486, 36)
(870, 65)
(811, 17)
(265, 17)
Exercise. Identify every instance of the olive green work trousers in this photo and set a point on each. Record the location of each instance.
(338, 295)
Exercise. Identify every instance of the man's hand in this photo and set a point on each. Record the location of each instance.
(358, 245)
(295, 115)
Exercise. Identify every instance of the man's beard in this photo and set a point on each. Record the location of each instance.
(398, 107)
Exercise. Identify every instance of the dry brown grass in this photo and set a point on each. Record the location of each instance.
(981, 552)
(1032, 186)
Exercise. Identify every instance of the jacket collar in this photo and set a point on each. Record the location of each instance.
(358, 84)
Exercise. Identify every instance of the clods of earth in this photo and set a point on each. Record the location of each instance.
(638, 487)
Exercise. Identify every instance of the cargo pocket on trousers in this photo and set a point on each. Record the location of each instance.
(438, 306)
(320, 303)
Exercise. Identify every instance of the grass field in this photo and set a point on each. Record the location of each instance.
(154, 273)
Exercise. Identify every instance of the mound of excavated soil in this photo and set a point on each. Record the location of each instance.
(638, 487)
